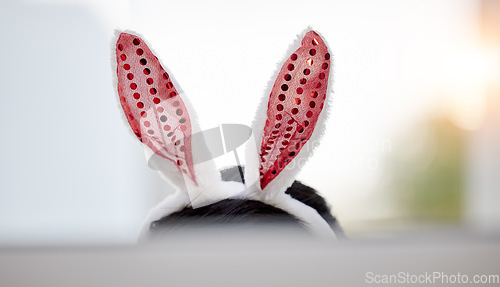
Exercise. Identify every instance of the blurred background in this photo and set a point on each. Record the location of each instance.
(412, 142)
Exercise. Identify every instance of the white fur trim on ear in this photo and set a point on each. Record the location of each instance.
(252, 153)
(274, 192)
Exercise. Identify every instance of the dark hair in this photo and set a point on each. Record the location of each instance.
(242, 212)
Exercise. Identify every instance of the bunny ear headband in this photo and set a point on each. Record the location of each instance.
(284, 132)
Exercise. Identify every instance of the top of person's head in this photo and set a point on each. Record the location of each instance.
(238, 214)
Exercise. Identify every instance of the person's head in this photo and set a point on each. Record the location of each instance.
(242, 213)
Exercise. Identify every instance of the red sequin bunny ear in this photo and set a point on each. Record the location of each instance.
(152, 106)
(294, 107)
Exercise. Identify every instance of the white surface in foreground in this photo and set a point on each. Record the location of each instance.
(241, 260)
